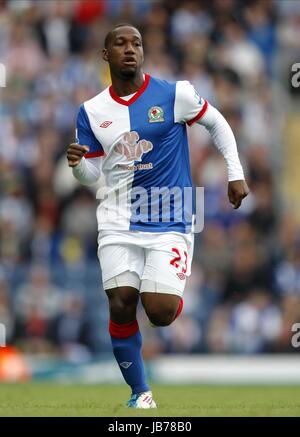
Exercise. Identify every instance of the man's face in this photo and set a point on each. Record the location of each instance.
(124, 53)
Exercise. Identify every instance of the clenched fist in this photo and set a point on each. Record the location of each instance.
(237, 191)
(74, 154)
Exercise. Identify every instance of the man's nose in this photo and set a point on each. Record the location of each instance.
(129, 48)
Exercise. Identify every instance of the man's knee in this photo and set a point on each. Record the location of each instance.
(122, 304)
(161, 317)
(160, 309)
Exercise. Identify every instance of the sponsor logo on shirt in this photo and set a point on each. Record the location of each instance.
(133, 148)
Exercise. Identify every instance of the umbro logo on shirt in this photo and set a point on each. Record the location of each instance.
(105, 124)
(126, 364)
(181, 276)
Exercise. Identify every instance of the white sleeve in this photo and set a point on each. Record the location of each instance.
(88, 171)
(189, 106)
(224, 140)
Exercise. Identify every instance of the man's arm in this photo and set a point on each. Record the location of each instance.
(224, 140)
(190, 108)
(86, 171)
(85, 160)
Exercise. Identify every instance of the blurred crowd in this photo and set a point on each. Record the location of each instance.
(244, 292)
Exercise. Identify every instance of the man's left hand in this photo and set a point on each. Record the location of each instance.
(237, 191)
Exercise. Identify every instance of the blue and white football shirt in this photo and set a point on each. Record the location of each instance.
(145, 154)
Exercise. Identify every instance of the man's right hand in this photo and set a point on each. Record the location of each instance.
(74, 154)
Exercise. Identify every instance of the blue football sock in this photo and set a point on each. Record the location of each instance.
(128, 354)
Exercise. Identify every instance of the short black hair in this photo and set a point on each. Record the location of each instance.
(109, 34)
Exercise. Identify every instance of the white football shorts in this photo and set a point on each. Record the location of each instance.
(147, 261)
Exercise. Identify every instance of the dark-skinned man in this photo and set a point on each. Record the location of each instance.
(134, 133)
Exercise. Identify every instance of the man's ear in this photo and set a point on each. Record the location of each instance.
(105, 55)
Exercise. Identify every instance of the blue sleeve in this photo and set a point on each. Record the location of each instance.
(85, 136)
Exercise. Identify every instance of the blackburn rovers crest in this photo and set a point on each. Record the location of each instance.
(156, 114)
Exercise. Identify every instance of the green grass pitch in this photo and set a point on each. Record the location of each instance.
(45, 399)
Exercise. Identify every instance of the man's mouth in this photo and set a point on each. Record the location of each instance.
(129, 61)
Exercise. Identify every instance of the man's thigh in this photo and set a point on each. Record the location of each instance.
(167, 266)
(116, 259)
